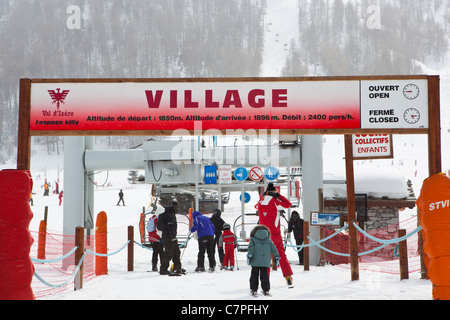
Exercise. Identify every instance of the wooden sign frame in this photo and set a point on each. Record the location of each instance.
(433, 129)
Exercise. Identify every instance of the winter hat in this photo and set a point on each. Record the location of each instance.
(217, 212)
(226, 226)
(271, 187)
(173, 207)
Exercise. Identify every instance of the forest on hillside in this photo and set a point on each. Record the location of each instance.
(369, 37)
(204, 38)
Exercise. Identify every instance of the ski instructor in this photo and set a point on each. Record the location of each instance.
(270, 217)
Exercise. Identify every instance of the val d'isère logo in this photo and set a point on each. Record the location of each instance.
(57, 96)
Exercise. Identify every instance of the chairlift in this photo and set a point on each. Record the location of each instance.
(143, 222)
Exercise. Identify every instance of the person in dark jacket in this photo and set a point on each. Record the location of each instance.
(259, 256)
(120, 198)
(167, 223)
(218, 223)
(205, 234)
(296, 225)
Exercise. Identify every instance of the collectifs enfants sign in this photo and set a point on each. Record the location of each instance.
(372, 146)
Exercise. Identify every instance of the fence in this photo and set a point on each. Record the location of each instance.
(377, 250)
(57, 271)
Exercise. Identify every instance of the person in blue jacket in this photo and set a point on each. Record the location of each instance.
(205, 235)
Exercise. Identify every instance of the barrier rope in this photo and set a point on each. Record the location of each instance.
(314, 243)
(55, 260)
(394, 240)
(77, 267)
(347, 254)
(108, 254)
(385, 243)
(142, 246)
(67, 281)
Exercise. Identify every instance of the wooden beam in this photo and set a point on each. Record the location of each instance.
(351, 208)
(24, 137)
(434, 126)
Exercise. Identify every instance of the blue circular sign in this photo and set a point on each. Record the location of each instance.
(271, 173)
(246, 197)
(241, 174)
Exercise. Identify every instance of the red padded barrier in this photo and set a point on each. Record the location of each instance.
(16, 268)
(434, 216)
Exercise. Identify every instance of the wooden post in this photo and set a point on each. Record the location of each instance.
(131, 248)
(403, 255)
(434, 126)
(434, 145)
(79, 242)
(306, 249)
(322, 229)
(24, 137)
(353, 246)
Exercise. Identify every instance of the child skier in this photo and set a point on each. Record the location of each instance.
(228, 241)
(259, 254)
(154, 237)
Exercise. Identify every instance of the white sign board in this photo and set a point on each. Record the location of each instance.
(394, 104)
(372, 146)
(225, 175)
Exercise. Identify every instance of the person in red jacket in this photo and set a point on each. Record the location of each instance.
(154, 237)
(270, 217)
(229, 242)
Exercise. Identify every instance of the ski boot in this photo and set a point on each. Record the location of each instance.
(289, 281)
(267, 293)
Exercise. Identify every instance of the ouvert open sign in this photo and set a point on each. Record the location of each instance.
(170, 104)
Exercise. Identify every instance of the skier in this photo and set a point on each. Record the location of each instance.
(167, 224)
(296, 224)
(46, 188)
(218, 223)
(60, 196)
(205, 231)
(270, 217)
(229, 242)
(154, 237)
(260, 249)
(121, 198)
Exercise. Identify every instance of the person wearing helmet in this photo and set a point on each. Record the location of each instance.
(167, 223)
(218, 223)
(228, 242)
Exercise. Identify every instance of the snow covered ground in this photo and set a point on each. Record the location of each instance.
(318, 283)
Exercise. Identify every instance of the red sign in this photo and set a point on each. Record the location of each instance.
(194, 104)
(180, 105)
(256, 173)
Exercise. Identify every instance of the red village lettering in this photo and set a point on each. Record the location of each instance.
(255, 98)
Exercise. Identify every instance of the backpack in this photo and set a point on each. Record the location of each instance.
(160, 222)
(151, 226)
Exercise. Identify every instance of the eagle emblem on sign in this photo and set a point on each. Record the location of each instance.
(57, 96)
